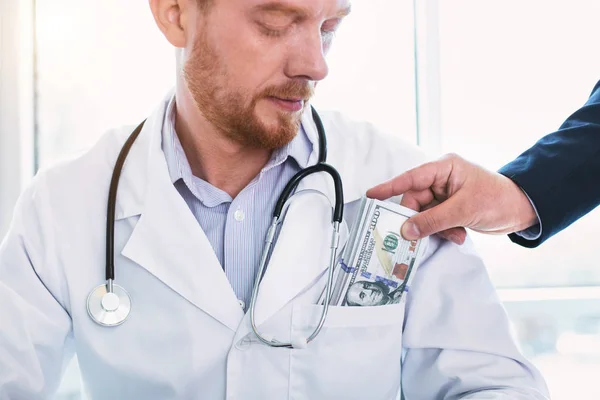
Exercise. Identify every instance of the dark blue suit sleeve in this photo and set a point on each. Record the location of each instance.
(561, 172)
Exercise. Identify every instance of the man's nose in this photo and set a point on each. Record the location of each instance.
(307, 59)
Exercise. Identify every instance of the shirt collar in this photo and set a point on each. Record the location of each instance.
(298, 149)
(176, 160)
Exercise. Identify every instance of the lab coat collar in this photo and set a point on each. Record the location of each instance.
(335, 153)
(312, 134)
(133, 183)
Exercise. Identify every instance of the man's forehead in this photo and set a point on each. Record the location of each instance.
(328, 8)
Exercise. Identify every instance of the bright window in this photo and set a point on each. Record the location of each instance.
(512, 71)
(372, 67)
(101, 65)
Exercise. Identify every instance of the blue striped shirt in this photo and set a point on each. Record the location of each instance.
(236, 228)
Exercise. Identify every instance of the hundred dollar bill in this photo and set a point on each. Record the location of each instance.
(377, 264)
(347, 253)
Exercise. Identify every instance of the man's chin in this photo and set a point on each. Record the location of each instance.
(279, 122)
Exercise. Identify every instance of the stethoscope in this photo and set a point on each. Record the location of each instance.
(109, 304)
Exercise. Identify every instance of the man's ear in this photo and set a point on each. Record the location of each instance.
(170, 18)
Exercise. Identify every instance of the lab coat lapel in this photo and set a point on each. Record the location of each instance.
(168, 242)
(302, 251)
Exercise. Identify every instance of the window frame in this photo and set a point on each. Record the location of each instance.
(17, 102)
(428, 76)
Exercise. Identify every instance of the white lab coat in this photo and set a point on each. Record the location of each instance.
(187, 336)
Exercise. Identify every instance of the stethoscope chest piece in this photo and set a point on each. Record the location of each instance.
(109, 308)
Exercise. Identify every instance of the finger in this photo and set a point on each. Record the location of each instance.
(444, 216)
(417, 200)
(456, 235)
(429, 205)
(416, 179)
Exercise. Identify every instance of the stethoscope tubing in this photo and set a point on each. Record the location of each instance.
(112, 205)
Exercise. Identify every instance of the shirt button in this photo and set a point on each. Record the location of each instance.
(242, 304)
(244, 344)
(239, 215)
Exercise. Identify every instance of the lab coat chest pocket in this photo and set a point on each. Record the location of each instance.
(357, 355)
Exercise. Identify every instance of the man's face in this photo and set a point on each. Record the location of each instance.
(255, 63)
(366, 294)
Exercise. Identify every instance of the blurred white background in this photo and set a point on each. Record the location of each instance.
(483, 78)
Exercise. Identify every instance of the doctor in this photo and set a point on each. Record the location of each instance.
(195, 200)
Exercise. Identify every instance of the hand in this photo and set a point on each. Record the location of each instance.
(453, 193)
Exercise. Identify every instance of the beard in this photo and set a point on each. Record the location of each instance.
(233, 110)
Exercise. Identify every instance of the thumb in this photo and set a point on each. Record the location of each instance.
(431, 221)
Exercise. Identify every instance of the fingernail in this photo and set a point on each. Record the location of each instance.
(410, 231)
(456, 239)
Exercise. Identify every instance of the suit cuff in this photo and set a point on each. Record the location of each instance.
(534, 232)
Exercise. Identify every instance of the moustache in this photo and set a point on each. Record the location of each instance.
(292, 90)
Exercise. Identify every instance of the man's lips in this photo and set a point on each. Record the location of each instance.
(288, 104)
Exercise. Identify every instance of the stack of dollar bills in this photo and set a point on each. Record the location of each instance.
(377, 265)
